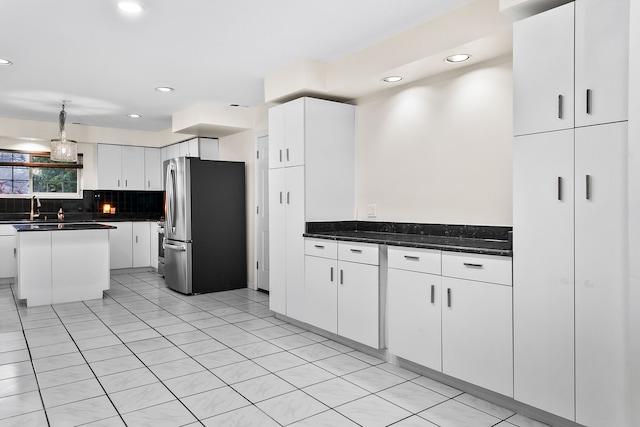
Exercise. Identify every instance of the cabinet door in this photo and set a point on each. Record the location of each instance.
(543, 274)
(295, 223)
(276, 136)
(141, 242)
(477, 343)
(183, 149)
(601, 283)
(173, 151)
(120, 248)
(294, 132)
(7, 257)
(414, 317)
(133, 168)
(277, 242)
(602, 61)
(358, 303)
(543, 54)
(152, 169)
(321, 292)
(110, 167)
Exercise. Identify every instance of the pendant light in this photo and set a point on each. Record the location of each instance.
(63, 149)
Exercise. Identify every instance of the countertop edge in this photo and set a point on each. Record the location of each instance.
(391, 242)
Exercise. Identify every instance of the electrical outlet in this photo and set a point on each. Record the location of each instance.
(372, 211)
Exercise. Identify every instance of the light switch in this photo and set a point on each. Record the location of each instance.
(372, 211)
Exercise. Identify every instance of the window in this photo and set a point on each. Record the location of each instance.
(26, 173)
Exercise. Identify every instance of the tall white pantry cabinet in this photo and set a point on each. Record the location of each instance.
(570, 226)
(311, 178)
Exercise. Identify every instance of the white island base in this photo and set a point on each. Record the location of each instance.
(59, 265)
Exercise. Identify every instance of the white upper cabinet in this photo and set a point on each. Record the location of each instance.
(133, 168)
(152, 169)
(602, 61)
(287, 134)
(109, 167)
(543, 48)
(173, 151)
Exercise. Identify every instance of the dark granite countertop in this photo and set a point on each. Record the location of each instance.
(487, 240)
(61, 226)
(52, 219)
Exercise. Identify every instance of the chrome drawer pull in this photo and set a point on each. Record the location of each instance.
(433, 294)
(357, 251)
(318, 246)
(449, 297)
(413, 258)
(471, 265)
(331, 274)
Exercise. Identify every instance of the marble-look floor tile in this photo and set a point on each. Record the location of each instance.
(11, 336)
(289, 342)
(366, 357)
(484, 406)
(412, 397)
(53, 350)
(177, 368)
(215, 402)
(437, 386)
(48, 339)
(14, 356)
(64, 376)
(222, 331)
(84, 334)
(272, 332)
(209, 322)
(416, 421)
(315, 352)
(187, 337)
(118, 364)
(335, 392)
(293, 328)
(72, 392)
(305, 375)
(103, 341)
(325, 419)
(279, 361)
(176, 328)
(262, 388)
(397, 370)
(202, 347)
(81, 412)
(253, 325)
(17, 369)
(128, 379)
(337, 346)
(248, 416)
(373, 379)
(241, 371)
(219, 358)
(58, 362)
(455, 414)
(128, 327)
(32, 419)
(342, 364)
(19, 344)
(143, 334)
(238, 318)
(191, 384)
(372, 411)
(104, 353)
(164, 355)
(313, 336)
(170, 414)
(522, 421)
(141, 397)
(149, 344)
(257, 349)
(291, 407)
(239, 339)
(18, 385)
(19, 404)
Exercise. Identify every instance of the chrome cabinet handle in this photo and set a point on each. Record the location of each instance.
(413, 258)
(588, 101)
(319, 246)
(281, 197)
(588, 186)
(560, 99)
(472, 265)
(342, 277)
(288, 197)
(126, 183)
(287, 154)
(433, 294)
(280, 156)
(331, 274)
(560, 188)
(449, 297)
(356, 251)
(118, 183)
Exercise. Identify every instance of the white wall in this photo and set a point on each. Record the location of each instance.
(439, 150)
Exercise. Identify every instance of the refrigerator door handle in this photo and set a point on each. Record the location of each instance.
(181, 248)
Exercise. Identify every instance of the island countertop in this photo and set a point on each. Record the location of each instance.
(62, 226)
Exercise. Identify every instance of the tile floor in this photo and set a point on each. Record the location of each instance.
(147, 356)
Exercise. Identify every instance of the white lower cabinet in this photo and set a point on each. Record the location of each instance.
(342, 289)
(120, 248)
(141, 244)
(413, 306)
(7, 253)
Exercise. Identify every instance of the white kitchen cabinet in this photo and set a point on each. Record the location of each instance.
(7, 253)
(152, 169)
(601, 61)
(414, 307)
(601, 274)
(359, 293)
(120, 247)
(582, 46)
(120, 167)
(477, 343)
(321, 280)
(543, 269)
(203, 148)
(173, 151)
(154, 245)
(141, 244)
(315, 184)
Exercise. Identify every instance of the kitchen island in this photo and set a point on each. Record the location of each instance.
(61, 262)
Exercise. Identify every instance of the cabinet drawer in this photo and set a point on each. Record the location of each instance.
(321, 248)
(365, 253)
(7, 230)
(411, 259)
(483, 268)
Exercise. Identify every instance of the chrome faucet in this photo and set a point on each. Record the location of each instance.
(38, 206)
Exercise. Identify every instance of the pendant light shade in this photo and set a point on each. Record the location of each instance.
(63, 149)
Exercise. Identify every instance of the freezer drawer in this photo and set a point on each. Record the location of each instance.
(178, 266)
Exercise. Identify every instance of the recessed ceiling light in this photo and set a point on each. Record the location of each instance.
(130, 7)
(164, 89)
(134, 116)
(392, 79)
(461, 57)
(5, 62)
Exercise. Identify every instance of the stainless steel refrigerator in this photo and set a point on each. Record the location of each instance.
(205, 225)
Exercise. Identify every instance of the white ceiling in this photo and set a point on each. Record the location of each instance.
(210, 51)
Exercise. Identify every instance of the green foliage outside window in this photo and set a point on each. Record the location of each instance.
(28, 176)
